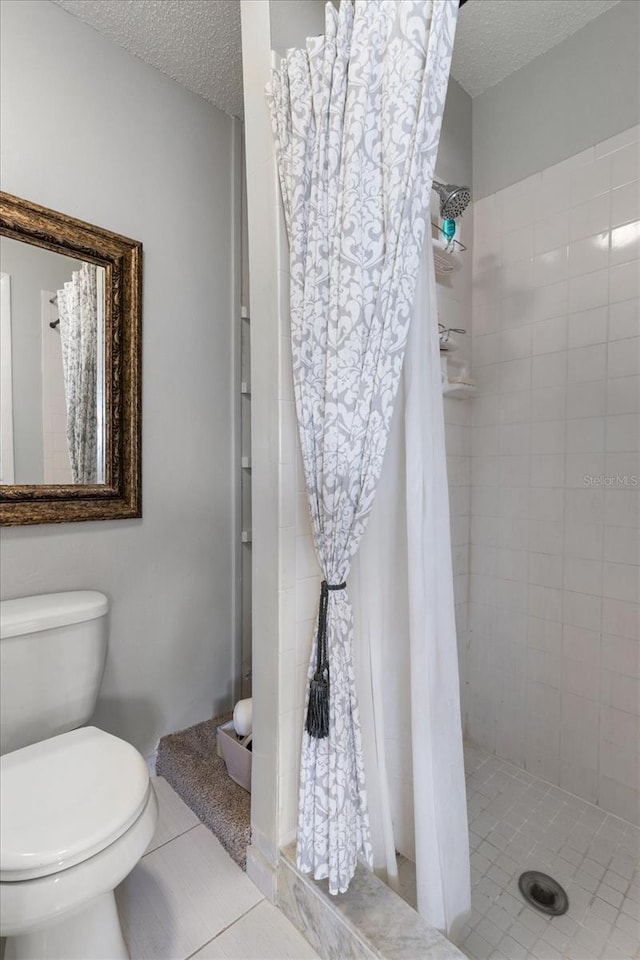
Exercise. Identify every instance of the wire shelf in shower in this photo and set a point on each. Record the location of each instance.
(446, 252)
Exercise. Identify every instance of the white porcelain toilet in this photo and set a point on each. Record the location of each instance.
(77, 810)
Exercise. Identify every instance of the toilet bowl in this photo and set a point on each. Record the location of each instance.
(77, 809)
(77, 813)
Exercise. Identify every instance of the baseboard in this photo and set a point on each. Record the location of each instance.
(262, 871)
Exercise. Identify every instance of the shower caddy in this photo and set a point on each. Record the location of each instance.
(456, 381)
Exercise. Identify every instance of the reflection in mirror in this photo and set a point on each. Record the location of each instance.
(52, 382)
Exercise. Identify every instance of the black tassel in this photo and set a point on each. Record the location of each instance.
(317, 722)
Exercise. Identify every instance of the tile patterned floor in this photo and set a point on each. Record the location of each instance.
(518, 822)
(188, 899)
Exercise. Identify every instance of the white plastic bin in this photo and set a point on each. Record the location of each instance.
(236, 756)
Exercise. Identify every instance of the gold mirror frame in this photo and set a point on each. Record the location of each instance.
(120, 496)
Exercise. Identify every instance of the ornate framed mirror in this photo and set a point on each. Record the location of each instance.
(70, 368)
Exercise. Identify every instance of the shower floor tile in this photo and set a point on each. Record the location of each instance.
(518, 822)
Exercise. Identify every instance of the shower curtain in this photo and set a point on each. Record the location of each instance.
(405, 649)
(356, 119)
(78, 312)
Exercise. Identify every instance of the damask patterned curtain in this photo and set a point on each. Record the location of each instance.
(356, 120)
(78, 312)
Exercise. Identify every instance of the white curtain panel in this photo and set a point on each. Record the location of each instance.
(406, 650)
(439, 795)
(356, 119)
(78, 312)
(379, 592)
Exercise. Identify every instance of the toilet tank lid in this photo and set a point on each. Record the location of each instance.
(42, 612)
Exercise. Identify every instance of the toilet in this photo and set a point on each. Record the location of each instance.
(77, 809)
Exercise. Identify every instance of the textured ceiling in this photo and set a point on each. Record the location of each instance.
(196, 42)
(496, 37)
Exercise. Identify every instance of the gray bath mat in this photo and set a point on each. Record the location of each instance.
(188, 760)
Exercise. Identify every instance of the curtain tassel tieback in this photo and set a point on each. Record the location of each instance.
(317, 724)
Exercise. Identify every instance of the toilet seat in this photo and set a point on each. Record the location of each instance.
(31, 904)
(65, 799)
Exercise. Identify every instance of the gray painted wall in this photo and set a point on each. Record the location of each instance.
(454, 163)
(143, 156)
(583, 90)
(31, 270)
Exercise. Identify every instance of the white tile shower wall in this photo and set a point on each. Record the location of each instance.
(552, 665)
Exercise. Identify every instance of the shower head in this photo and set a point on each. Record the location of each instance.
(453, 200)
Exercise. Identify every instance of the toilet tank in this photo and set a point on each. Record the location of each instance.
(52, 653)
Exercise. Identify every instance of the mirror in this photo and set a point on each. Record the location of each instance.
(70, 303)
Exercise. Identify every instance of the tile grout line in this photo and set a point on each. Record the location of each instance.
(171, 839)
(607, 427)
(228, 927)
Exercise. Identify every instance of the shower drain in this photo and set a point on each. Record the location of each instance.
(543, 892)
